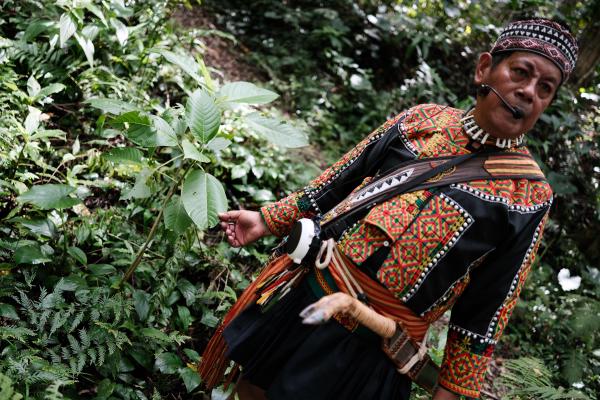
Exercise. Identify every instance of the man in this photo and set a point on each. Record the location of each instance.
(466, 246)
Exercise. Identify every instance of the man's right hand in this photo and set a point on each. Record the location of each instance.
(243, 227)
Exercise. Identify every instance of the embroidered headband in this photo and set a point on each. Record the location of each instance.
(541, 36)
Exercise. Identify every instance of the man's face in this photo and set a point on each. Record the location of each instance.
(525, 80)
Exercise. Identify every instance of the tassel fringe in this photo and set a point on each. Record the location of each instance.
(214, 361)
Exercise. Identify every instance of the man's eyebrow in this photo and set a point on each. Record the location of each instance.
(530, 67)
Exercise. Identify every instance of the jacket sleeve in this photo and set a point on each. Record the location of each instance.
(335, 183)
(482, 312)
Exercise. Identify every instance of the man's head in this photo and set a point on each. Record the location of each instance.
(526, 65)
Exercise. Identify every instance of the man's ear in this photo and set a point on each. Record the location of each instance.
(484, 65)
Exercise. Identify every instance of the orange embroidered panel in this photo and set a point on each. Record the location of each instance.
(419, 248)
(463, 371)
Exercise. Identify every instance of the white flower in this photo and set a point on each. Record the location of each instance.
(578, 385)
(568, 282)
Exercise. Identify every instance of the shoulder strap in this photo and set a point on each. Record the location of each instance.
(430, 173)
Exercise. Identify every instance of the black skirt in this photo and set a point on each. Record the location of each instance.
(291, 360)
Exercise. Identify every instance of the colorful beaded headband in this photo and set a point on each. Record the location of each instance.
(541, 36)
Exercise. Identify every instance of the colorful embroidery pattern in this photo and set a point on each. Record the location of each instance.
(280, 216)
(433, 130)
(420, 247)
(348, 159)
(522, 194)
(465, 363)
(362, 243)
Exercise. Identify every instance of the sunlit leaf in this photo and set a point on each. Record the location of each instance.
(203, 198)
(111, 106)
(50, 89)
(121, 30)
(246, 92)
(126, 155)
(202, 115)
(50, 196)
(49, 133)
(186, 63)
(33, 86)
(32, 122)
(66, 28)
(165, 134)
(88, 48)
(217, 144)
(277, 131)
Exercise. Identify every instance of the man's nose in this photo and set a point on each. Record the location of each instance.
(527, 90)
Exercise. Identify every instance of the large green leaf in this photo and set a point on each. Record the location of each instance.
(277, 131)
(66, 28)
(186, 63)
(33, 86)
(41, 226)
(246, 92)
(203, 198)
(50, 196)
(50, 89)
(176, 218)
(111, 106)
(30, 254)
(141, 301)
(202, 115)
(8, 311)
(127, 155)
(77, 254)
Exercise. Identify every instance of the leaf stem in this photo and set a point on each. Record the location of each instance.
(142, 250)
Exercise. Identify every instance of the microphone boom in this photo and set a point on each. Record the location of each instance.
(516, 112)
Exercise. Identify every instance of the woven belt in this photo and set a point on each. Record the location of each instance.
(409, 357)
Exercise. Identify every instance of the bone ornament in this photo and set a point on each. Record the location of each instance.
(322, 311)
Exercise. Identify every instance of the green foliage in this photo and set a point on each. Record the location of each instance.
(529, 378)
(7, 392)
(106, 176)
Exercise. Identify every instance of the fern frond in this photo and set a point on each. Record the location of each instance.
(15, 332)
(528, 378)
(76, 321)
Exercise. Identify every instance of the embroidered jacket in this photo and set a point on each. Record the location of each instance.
(468, 246)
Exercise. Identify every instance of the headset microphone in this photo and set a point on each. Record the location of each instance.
(484, 90)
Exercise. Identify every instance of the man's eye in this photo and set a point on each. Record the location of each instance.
(520, 72)
(546, 88)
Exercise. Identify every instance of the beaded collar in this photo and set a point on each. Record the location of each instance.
(476, 133)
